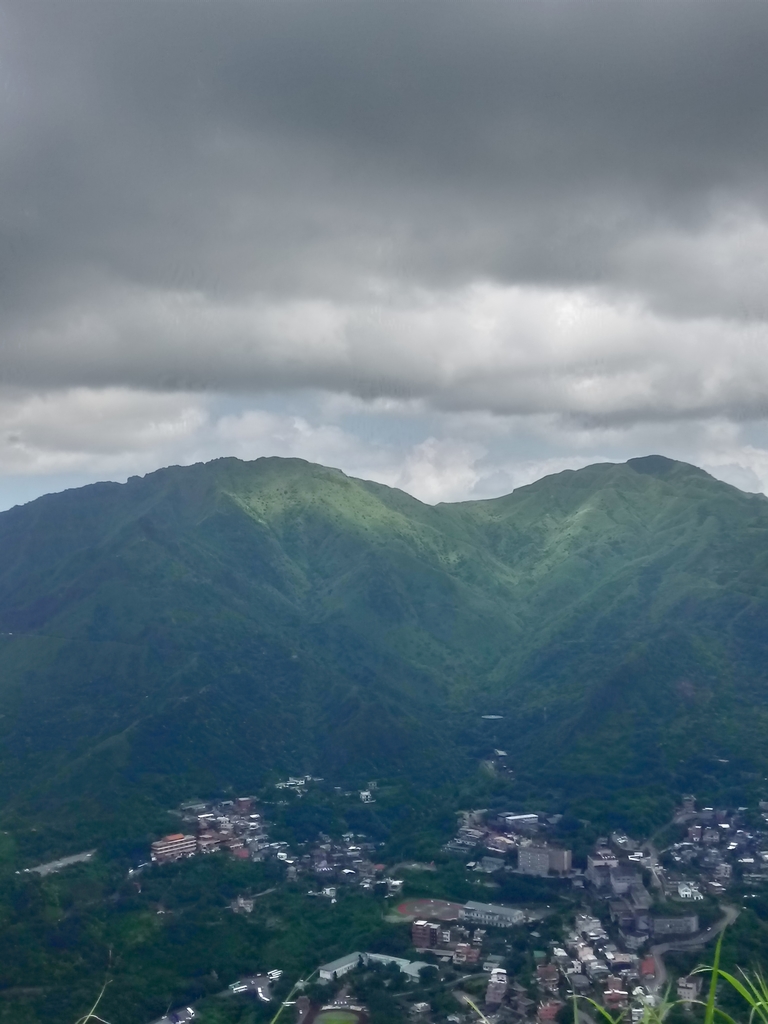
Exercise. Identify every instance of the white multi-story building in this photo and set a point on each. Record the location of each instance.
(540, 860)
(533, 860)
(174, 848)
(491, 914)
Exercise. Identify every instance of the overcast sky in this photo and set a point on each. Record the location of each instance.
(452, 247)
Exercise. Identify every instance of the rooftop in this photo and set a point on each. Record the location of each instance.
(342, 962)
(490, 908)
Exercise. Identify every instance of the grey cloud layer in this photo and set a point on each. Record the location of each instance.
(525, 208)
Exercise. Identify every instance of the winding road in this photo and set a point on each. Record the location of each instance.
(695, 942)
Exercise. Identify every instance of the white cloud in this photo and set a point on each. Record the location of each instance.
(110, 430)
(487, 270)
(83, 434)
(511, 350)
(440, 470)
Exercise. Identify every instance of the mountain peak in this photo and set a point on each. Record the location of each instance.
(242, 617)
(660, 466)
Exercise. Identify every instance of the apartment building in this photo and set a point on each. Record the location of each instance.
(173, 847)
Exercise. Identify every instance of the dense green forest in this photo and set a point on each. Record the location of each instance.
(170, 943)
(212, 626)
(204, 631)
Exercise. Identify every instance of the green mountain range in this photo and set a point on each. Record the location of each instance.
(219, 625)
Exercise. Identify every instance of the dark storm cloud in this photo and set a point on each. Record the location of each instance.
(391, 199)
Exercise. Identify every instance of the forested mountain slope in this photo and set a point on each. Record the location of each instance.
(216, 624)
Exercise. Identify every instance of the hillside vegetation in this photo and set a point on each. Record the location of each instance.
(219, 624)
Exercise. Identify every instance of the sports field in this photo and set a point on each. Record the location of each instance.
(337, 1016)
(435, 910)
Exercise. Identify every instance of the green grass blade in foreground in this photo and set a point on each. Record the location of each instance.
(477, 1010)
(753, 990)
(600, 1009)
(651, 1014)
(91, 1015)
(709, 1011)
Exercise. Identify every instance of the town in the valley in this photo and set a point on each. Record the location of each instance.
(627, 906)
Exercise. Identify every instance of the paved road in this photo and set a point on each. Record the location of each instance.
(657, 880)
(448, 986)
(63, 862)
(695, 942)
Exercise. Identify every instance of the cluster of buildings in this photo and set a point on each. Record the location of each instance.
(448, 941)
(603, 958)
(297, 784)
(231, 825)
(620, 880)
(718, 848)
(347, 861)
(463, 942)
(611, 968)
(472, 914)
(518, 834)
(589, 957)
(237, 827)
(588, 961)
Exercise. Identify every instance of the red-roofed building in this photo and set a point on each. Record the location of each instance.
(547, 1012)
(648, 967)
